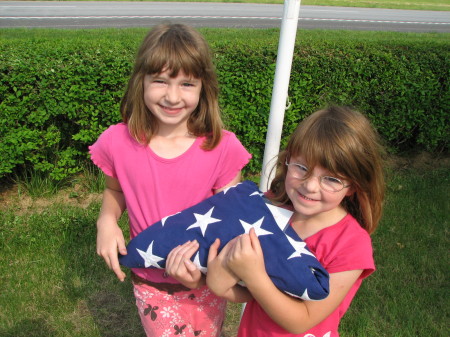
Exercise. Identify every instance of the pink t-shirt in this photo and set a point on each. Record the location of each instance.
(342, 247)
(156, 187)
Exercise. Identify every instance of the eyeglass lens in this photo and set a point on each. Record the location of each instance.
(330, 184)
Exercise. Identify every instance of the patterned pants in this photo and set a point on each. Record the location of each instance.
(195, 312)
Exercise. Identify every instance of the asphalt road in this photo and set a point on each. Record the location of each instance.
(91, 14)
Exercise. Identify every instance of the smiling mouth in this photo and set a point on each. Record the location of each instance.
(305, 197)
(170, 110)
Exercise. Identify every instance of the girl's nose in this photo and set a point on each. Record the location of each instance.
(312, 184)
(173, 94)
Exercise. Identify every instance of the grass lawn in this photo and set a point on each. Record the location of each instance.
(53, 283)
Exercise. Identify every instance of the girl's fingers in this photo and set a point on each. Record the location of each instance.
(180, 267)
(255, 241)
(243, 242)
(235, 247)
(213, 249)
(179, 250)
(115, 266)
(181, 253)
(189, 250)
(112, 261)
(171, 258)
(228, 248)
(245, 245)
(190, 266)
(121, 246)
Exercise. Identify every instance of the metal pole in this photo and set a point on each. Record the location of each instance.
(280, 89)
(286, 45)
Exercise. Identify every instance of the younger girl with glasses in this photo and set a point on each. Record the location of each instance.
(169, 153)
(331, 177)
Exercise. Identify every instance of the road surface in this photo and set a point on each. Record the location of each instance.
(91, 14)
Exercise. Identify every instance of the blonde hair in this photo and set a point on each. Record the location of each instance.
(342, 141)
(175, 47)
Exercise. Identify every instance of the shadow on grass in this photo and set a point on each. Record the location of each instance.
(89, 284)
(27, 327)
(52, 281)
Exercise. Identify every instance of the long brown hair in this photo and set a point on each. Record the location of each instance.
(175, 47)
(342, 141)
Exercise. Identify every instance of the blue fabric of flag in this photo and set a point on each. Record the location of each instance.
(289, 263)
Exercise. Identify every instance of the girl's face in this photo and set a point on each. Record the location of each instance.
(171, 100)
(310, 200)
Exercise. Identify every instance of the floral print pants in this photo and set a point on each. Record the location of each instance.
(196, 312)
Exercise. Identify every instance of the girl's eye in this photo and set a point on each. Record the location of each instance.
(157, 81)
(187, 84)
(302, 168)
(332, 180)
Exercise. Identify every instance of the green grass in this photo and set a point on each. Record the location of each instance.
(408, 295)
(53, 283)
(37, 184)
(218, 35)
(436, 5)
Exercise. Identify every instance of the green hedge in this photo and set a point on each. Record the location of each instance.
(60, 89)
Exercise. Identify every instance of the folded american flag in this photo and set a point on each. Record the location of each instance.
(289, 263)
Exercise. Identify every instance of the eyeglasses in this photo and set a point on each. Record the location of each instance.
(327, 183)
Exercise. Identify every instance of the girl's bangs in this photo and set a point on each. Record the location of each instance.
(317, 147)
(169, 57)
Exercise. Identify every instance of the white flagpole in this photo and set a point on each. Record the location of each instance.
(288, 32)
(280, 89)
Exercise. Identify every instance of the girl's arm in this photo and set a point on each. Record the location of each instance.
(220, 279)
(110, 238)
(236, 180)
(294, 315)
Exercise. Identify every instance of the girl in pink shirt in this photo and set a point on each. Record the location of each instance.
(331, 176)
(169, 153)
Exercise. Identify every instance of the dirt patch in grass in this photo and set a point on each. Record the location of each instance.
(419, 161)
(12, 198)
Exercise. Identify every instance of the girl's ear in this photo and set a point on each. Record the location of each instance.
(350, 191)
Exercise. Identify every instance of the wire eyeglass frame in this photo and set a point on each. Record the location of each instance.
(302, 170)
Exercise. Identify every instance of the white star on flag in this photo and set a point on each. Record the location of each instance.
(203, 220)
(163, 220)
(257, 193)
(228, 188)
(256, 225)
(150, 259)
(300, 248)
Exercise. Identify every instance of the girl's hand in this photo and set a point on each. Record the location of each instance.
(220, 279)
(246, 259)
(181, 268)
(110, 240)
